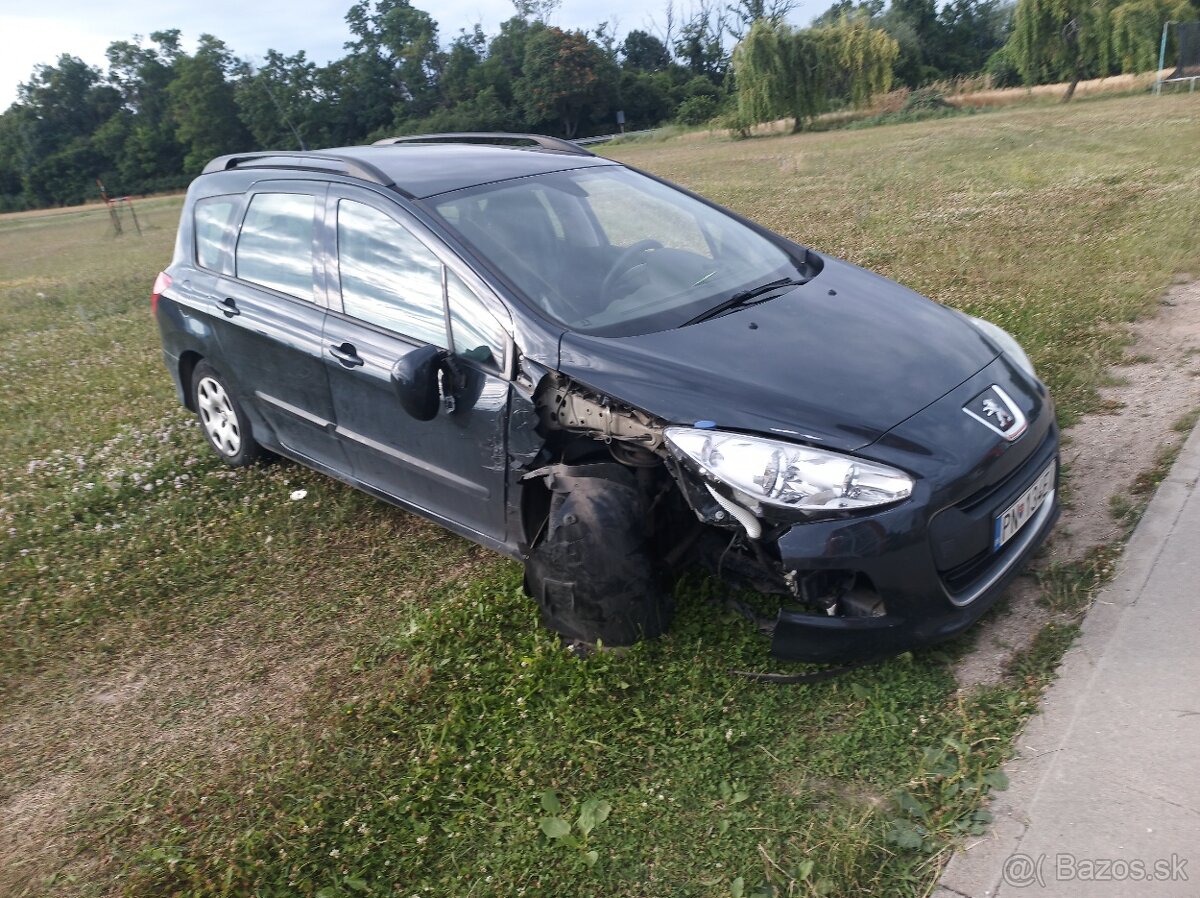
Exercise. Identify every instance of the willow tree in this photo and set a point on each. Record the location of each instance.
(1137, 30)
(1055, 40)
(860, 59)
(781, 72)
(760, 73)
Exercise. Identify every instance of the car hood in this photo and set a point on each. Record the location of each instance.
(838, 361)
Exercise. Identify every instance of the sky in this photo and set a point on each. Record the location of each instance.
(39, 32)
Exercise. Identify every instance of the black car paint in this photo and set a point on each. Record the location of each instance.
(966, 475)
(452, 465)
(778, 368)
(423, 171)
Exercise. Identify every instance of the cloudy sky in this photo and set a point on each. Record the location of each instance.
(45, 29)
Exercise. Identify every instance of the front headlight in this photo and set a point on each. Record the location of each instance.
(1007, 342)
(787, 475)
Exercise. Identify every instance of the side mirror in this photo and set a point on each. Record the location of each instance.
(415, 380)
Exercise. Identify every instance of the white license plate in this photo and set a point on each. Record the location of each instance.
(1017, 515)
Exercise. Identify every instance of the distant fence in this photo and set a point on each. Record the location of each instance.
(605, 138)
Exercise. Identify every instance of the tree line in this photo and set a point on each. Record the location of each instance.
(156, 114)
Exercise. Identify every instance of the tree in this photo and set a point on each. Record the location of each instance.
(359, 96)
(536, 10)
(842, 9)
(781, 71)
(482, 112)
(63, 107)
(566, 76)
(461, 74)
(643, 52)
(919, 34)
(1137, 30)
(142, 139)
(69, 100)
(203, 105)
(744, 13)
(15, 161)
(1054, 40)
(971, 31)
(860, 60)
(405, 40)
(699, 46)
(506, 57)
(645, 97)
(278, 103)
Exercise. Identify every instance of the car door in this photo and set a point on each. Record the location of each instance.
(270, 309)
(399, 294)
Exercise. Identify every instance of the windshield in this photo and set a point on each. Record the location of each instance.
(608, 251)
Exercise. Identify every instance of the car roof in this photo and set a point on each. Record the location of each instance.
(420, 169)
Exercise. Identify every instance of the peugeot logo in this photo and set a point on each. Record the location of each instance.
(995, 410)
(1003, 418)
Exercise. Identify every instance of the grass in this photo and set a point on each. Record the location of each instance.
(207, 688)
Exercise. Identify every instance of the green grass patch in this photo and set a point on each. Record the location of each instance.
(215, 690)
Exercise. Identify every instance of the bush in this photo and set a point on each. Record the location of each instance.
(483, 112)
(1002, 69)
(696, 110)
(924, 99)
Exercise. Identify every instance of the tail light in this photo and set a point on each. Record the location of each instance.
(161, 283)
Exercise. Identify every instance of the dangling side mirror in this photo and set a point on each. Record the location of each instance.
(415, 379)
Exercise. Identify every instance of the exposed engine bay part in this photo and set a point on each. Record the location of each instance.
(592, 572)
(635, 439)
(741, 514)
(566, 405)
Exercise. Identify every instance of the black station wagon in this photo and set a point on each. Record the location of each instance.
(612, 379)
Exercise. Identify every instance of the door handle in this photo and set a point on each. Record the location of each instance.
(346, 354)
(229, 307)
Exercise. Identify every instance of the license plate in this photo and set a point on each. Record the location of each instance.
(1017, 515)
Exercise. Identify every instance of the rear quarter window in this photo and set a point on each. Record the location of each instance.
(212, 221)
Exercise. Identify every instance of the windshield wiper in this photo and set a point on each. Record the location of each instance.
(743, 298)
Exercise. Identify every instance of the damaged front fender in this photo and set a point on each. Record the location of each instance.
(592, 572)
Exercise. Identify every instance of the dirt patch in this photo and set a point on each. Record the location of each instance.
(196, 700)
(1102, 455)
(1105, 452)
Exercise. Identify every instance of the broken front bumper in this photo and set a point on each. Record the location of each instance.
(936, 572)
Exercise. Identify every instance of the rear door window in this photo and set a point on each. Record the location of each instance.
(275, 248)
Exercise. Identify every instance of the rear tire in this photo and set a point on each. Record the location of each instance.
(593, 575)
(222, 419)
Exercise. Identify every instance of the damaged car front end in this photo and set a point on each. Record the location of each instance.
(879, 538)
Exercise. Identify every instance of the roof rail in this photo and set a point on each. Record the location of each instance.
(499, 138)
(338, 165)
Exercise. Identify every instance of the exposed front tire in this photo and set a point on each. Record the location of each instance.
(222, 418)
(593, 574)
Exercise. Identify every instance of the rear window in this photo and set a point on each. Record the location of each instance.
(212, 223)
(275, 248)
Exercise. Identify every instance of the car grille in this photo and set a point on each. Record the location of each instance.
(981, 506)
